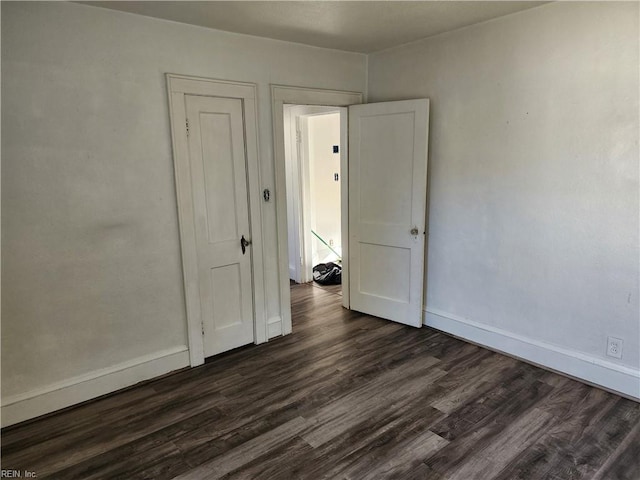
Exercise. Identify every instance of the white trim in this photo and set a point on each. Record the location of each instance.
(594, 370)
(300, 96)
(178, 86)
(274, 326)
(298, 187)
(55, 396)
(306, 208)
(344, 204)
(293, 198)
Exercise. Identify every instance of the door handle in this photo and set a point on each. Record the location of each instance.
(244, 243)
(414, 231)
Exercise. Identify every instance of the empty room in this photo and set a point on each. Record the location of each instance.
(340, 240)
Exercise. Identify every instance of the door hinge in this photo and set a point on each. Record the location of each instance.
(298, 136)
(202, 328)
(187, 122)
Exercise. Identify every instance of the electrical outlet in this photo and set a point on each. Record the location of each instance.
(614, 347)
(331, 242)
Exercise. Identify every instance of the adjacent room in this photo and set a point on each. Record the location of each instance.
(354, 240)
(312, 136)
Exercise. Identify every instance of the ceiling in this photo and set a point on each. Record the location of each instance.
(357, 26)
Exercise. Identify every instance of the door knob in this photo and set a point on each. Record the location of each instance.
(414, 231)
(244, 243)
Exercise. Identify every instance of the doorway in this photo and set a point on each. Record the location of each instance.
(313, 157)
(385, 184)
(286, 95)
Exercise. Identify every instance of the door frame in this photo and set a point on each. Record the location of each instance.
(300, 198)
(177, 87)
(308, 203)
(280, 95)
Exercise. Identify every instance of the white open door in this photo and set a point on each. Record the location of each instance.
(387, 208)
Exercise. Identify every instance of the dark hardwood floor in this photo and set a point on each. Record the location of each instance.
(346, 396)
(337, 289)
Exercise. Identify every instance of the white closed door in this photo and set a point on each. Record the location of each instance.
(221, 213)
(387, 208)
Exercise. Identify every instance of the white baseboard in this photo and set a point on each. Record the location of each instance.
(50, 398)
(274, 327)
(611, 376)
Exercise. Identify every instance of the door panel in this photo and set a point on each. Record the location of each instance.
(387, 200)
(379, 262)
(384, 138)
(226, 288)
(220, 191)
(219, 179)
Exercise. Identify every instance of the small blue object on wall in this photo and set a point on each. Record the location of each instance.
(336, 149)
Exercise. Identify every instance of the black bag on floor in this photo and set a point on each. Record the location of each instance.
(328, 273)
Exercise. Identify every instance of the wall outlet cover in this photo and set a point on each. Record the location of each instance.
(614, 347)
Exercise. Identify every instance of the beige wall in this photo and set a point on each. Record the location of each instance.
(91, 264)
(533, 216)
(324, 132)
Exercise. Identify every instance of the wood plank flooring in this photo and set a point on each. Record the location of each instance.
(346, 396)
(337, 289)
